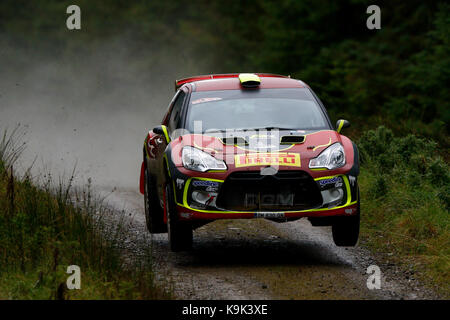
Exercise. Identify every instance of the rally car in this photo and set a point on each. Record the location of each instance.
(242, 146)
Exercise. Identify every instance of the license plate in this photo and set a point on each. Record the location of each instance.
(267, 215)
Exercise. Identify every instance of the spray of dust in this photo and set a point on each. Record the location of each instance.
(92, 111)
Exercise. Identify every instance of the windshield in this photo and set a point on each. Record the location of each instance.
(290, 108)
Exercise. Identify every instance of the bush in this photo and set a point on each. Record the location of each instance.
(44, 229)
(413, 158)
(405, 188)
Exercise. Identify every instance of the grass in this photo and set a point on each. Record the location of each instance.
(45, 229)
(405, 188)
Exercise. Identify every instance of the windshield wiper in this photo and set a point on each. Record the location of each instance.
(247, 129)
(271, 128)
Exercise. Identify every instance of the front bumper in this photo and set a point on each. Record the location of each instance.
(191, 214)
(184, 187)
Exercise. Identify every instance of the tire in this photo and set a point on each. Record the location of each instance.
(180, 232)
(154, 214)
(345, 230)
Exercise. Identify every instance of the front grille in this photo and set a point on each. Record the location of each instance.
(286, 190)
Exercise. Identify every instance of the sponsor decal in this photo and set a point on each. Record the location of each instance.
(267, 159)
(262, 214)
(335, 180)
(204, 183)
(252, 199)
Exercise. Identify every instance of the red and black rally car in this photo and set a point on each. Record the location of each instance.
(241, 146)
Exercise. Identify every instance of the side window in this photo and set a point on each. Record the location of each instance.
(176, 111)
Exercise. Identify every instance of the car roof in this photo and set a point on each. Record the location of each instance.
(231, 82)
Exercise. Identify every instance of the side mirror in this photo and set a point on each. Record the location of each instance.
(162, 130)
(341, 124)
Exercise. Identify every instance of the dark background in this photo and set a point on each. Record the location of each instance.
(396, 76)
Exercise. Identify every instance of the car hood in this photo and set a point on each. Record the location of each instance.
(243, 149)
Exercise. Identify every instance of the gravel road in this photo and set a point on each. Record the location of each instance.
(260, 259)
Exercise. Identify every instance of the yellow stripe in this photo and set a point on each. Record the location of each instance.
(165, 133)
(322, 145)
(186, 187)
(174, 191)
(341, 124)
(205, 148)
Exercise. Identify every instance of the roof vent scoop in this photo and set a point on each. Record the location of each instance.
(249, 80)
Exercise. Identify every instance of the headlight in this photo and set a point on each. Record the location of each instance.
(332, 157)
(197, 160)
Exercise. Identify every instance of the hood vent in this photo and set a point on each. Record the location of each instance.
(239, 141)
(292, 139)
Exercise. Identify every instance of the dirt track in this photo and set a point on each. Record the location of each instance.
(260, 259)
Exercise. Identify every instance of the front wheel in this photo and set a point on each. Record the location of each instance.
(346, 230)
(180, 232)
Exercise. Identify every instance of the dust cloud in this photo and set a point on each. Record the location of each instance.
(91, 110)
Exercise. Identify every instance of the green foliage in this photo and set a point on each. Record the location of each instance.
(411, 157)
(45, 229)
(424, 78)
(405, 188)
